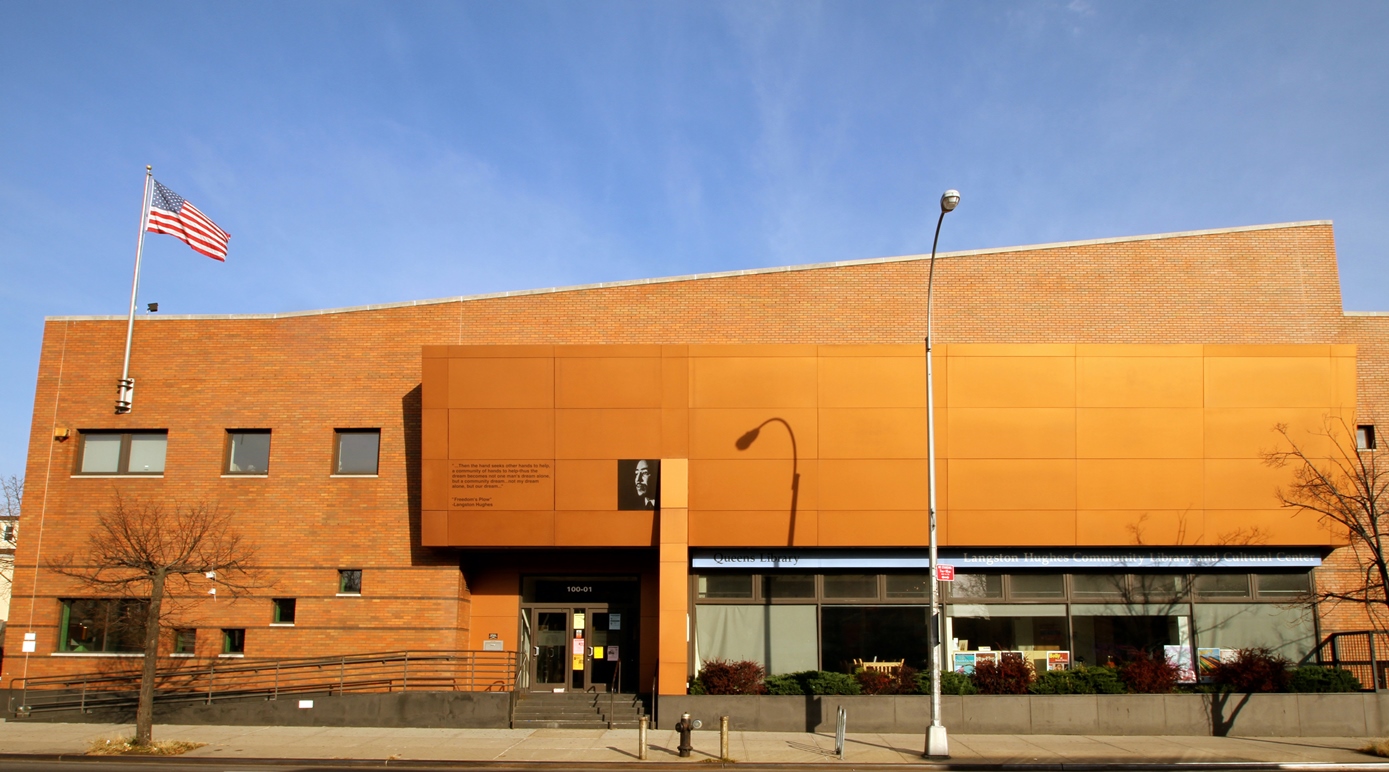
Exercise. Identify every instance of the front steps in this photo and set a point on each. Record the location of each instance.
(576, 710)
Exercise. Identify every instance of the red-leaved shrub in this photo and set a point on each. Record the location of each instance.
(1010, 675)
(1253, 670)
(878, 682)
(720, 676)
(1146, 673)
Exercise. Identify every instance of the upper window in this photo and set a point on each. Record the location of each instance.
(185, 640)
(123, 452)
(1365, 437)
(356, 451)
(103, 625)
(233, 641)
(282, 610)
(349, 581)
(248, 451)
(9, 529)
(1221, 585)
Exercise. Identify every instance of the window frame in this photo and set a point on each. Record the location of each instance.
(178, 650)
(233, 636)
(227, 454)
(123, 458)
(338, 434)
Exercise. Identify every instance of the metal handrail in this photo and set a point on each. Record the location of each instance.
(613, 686)
(1356, 651)
(359, 673)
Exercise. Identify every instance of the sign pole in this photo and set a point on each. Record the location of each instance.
(126, 387)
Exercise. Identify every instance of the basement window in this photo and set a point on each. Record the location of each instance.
(1365, 437)
(122, 453)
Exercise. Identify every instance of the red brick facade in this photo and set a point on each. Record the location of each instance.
(305, 374)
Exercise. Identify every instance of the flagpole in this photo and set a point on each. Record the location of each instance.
(126, 393)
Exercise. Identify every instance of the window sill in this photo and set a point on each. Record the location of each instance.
(238, 475)
(359, 476)
(159, 476)
(282, 624)
(181, 654)
(97, 654)
(349, 595)
(231, 656)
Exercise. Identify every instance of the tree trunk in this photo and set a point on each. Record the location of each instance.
(144, 714)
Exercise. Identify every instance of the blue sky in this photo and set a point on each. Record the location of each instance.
(370, 152)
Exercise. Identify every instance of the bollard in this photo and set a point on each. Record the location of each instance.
(723, 738)
(641, 739)
(685, 727)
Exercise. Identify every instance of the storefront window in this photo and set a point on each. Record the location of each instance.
(1282, 630)
(726, 586)
(781, 638)
(1221, 585)
(1037, 585)
(977, 586)
(869, 633)
(851, 585)
(908, 586)
(779, 586)
(1284, 585)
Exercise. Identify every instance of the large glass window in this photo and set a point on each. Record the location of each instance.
(782, 586)
(1099, 585)
(1037, 585)
(103, 625)
(976, 586)
(1283, 585)
(107, 453)
(781, 637)
(248, 451)
(357, 451)
(872, 633)
(909, 585)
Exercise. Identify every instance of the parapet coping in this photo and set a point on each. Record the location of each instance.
(716, 275)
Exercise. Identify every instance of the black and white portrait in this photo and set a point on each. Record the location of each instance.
(638, 483)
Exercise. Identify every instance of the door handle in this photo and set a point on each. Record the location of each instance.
(535, 651)
(590, 651)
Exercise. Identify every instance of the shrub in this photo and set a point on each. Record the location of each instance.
(1147, 673)
(878, 682)
(812, 682)
(723, 677)
(1253, 670)
(950, 683)
(1079, 680)
(825, 682)
(1315, 678)
(1010, 675)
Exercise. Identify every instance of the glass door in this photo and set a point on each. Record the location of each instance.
(613, 649)
(551, 652)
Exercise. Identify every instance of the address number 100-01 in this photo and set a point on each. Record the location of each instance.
(580, 588)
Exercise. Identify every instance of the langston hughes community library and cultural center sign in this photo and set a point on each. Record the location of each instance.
(976, 561)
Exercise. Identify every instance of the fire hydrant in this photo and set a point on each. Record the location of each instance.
(685, 726)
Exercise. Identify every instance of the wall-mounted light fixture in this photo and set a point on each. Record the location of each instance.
(61, 433)
(153, 307)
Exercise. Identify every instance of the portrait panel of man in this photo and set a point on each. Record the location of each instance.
(638, 483)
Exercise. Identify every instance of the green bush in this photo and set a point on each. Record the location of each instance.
(813, 682)
(1316, 678)
(1078, 680)
(950, 683)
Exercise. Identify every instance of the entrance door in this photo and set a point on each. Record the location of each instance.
(583, 649)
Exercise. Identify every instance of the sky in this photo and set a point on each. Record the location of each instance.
(375, 152)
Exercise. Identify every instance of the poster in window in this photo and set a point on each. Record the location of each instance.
(1058, 660)
(1179, 657)
(1206, 660)
(638, 483)
(964, 662)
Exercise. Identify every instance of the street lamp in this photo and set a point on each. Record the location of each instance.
(937, 746)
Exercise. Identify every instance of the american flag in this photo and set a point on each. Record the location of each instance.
(171, 214)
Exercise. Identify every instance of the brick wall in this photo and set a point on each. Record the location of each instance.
(303, 375)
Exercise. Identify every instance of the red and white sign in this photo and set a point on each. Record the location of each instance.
(945, 573)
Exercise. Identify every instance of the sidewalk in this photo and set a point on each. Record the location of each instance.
(620, 745)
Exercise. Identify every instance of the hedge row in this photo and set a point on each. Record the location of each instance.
(1253, 670)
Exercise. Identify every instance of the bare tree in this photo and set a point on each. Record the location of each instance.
(139, 549)
(1348, 492)
(12, 493)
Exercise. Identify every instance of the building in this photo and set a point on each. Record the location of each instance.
(621, 481)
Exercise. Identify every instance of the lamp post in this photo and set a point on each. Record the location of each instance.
(937, 746)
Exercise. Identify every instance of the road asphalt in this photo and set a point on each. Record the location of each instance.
(578, 747)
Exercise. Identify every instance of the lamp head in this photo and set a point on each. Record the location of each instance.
(949, 200)
(744, 442)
